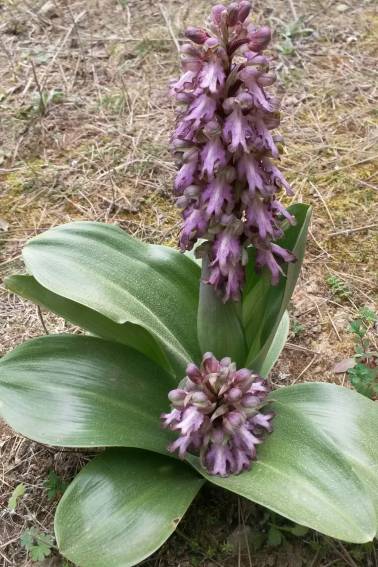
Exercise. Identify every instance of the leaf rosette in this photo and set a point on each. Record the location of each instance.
(145, 320)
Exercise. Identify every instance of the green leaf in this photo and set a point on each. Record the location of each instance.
(88, 319)
(40, 551)
(275, 537)
(104, 269)
(122, 507)
(277, 345)
(276, 298)
(219, 326)
(299, 531)
(17, 493)
(55, 485)
(78, 391)
(319, 467)
(363, 379)
(37, 544)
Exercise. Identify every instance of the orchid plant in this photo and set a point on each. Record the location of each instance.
(172, 375)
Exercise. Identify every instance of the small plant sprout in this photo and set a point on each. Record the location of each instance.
(38, 545)
(338, 287)
(170, 377)
(55, 485)
(17, 493)
(363, 374)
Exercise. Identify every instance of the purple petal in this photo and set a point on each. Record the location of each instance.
(213, 156)
(236, 130)
(212, 76)
(216, 195)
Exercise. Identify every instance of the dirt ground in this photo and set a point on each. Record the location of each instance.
(85, 123)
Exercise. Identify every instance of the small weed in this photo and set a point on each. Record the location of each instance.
(286, 47)
(290, 33)
(115, 103)
(17, 493)
(37, 544)
(364, 373)
(147, 46)
(40, 103)
(338, 287)
(274, 531)
(296, 327)
(55, 485)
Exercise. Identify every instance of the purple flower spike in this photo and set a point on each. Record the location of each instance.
(227, 184)
(217, 413)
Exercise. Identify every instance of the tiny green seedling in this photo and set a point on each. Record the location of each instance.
(364, 373)
(55, 485)
(296, 327)
(37, 544)
(338, 287)
(290, 33)
(17, 493)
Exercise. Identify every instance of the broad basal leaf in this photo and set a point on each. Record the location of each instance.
(319, 467)
(219, 324)
(78, 391)
(122, 507)
(88, 319)
(104, 269)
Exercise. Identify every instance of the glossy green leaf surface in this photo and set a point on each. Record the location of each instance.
(122, 507)
(124, 279)
(265, 304)
(219, 326)
(319, 467)
(277, 345)
(88, 319)
(78, 391)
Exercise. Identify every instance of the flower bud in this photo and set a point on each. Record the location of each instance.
(244, 10)
(233, 421)
(245, 100)
(190, 154)
(199, 399)
(182, 202)
(177, 397)
(193, 373)
(210, 363)
(234, 395)
(229, 104)
(242, 379)
(266, 79)
(225, 362)
(197, 35)
(212, 43)
(190, 50)
(217, 13)
(250, 401)
(192, 191)
(185, 98)
(212, 129)
(232, 14)
(260, 39)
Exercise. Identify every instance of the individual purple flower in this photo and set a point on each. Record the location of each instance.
(217, 412)
(227, 184)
